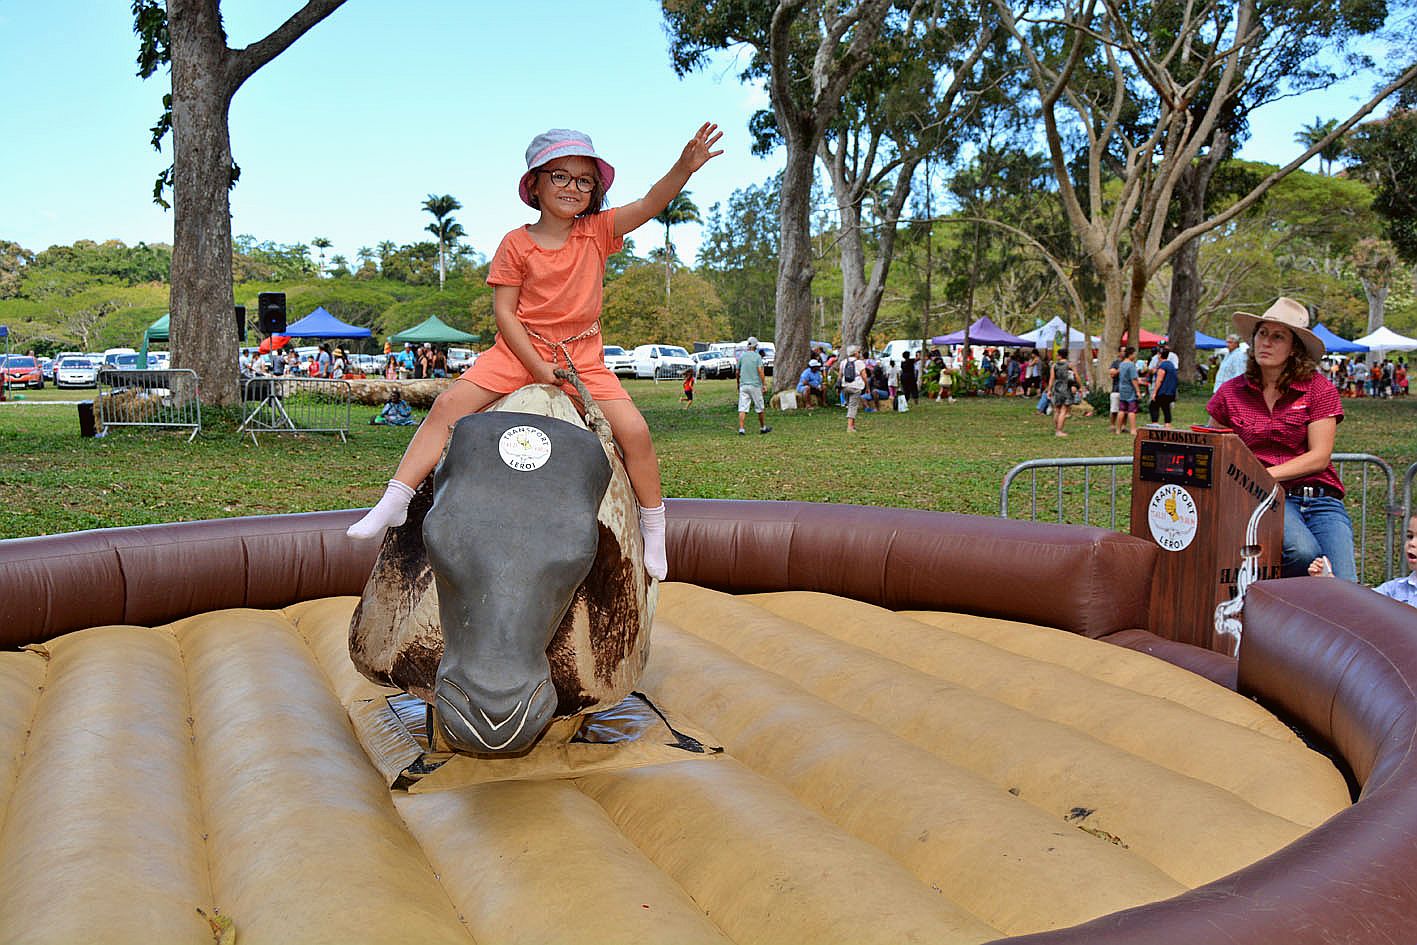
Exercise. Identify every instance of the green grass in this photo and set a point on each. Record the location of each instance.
(949, 457)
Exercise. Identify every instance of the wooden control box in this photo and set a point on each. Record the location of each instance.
(1194, 493)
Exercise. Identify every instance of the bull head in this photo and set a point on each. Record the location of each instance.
(510, 537)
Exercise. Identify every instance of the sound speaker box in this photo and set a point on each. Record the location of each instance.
(240, 323)
(271, 312)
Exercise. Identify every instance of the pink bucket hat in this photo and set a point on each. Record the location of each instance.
(561, 142)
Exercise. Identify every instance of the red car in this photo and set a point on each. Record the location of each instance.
(23, 371)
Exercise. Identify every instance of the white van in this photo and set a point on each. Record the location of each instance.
(896, 350)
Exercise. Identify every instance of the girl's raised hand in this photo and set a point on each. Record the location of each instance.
(700, 147)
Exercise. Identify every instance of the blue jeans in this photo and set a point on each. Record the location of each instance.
(1318, 526)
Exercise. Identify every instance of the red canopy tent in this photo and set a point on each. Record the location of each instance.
(272, 343)
(1149, 339)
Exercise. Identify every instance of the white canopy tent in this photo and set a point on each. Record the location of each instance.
(1385, 339)
(1044, 335)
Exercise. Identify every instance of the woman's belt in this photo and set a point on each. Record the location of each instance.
(1314, 491)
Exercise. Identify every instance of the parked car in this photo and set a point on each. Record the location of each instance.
(617, 359)
(21, 370)
(369, 364)
(111, 356)
(46, 367)
(768, 353)
(460, 359)
(75, 372)
(713, 364)
(129, 362)
(661, 361)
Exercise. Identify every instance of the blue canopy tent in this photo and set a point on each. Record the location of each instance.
(321, 324)
(983, 332)
(1205, 342)
(1336, 345)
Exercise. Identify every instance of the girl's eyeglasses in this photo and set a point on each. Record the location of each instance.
(562, 179)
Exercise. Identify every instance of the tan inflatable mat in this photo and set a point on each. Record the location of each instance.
(882, 777)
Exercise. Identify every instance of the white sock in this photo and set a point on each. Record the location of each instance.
(391, 510)
(652, 530)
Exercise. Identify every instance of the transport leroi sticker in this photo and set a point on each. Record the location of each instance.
(525, 448)
(1172, 517)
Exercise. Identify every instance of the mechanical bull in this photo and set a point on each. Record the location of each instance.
(515, 593)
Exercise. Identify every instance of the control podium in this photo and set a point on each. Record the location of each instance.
(1211, 507)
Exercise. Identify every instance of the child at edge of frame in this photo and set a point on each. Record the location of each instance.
(546, 280)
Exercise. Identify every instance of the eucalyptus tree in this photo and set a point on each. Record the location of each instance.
(187, 36)
(679, 210)
(1297, 47)
(442, 227)
(904, 106)
(1384, 154)
(1374, 261)
(1148, 90)
(806, 52)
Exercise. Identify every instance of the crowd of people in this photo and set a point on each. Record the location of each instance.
(326, 360)
(1380, 378)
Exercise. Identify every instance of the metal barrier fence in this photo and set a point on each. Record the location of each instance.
(295, 405)
(1081, 493)
(1407, 492)
(151, 398)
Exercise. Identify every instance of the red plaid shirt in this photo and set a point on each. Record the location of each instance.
(1279, 436)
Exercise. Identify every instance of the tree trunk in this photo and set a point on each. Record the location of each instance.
(794, 269)
(1185, 300)
(667, 263)
(1191, 191)
(1377, 301)
(853, 269)
(202, 299)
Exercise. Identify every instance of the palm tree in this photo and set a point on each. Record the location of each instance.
(680, 210)
(442, 208)
(321, 244)
(1312, 134)
(385, 249)
(448, 231)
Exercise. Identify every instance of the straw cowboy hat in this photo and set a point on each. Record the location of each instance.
(1287, 312)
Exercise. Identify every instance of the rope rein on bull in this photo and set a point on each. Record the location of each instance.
(595, 417)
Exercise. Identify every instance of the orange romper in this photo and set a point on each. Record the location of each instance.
(560, 299)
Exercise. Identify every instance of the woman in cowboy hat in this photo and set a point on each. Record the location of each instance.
(1287, 413)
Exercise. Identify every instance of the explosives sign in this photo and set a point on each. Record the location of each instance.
(1172, 517)
(525, 448)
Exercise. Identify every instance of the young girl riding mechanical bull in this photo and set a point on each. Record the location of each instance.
(546, 279)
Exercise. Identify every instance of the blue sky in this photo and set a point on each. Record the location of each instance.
(347, 132)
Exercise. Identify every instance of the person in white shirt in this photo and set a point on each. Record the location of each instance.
(1234, 363)
(1403, 589)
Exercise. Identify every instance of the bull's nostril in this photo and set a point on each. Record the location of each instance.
(522, 713)
(447, 681)
(496, 725)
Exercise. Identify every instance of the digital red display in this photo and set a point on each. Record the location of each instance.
(1179, 463)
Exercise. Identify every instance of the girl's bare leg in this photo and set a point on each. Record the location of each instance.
(423, 453)
(642, 465)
